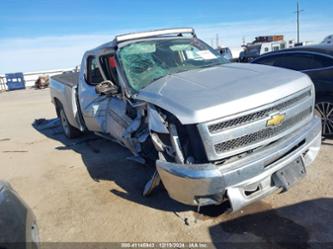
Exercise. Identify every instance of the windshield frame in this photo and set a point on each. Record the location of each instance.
(131, 89)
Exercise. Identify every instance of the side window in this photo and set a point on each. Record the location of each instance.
(109, 66)
(94, 75)
(325, 61)
(301, 62)
(267, 60)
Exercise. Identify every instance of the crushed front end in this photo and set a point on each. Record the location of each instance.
(249, 155)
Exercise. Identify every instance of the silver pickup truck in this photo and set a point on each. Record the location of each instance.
(216, 131)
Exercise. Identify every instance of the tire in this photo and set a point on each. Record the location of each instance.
(69, 130)
(324, 109)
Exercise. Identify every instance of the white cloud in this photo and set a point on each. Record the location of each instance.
(43, 53)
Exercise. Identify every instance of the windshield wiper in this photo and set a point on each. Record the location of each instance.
(157, 78)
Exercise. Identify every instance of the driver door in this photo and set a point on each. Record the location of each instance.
(93, 106)
(103, 113)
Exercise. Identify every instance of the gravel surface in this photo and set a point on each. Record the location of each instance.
(84, 190)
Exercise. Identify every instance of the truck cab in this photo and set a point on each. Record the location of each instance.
(215, 131)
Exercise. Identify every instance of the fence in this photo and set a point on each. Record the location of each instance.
(2, 84)
(31, 77)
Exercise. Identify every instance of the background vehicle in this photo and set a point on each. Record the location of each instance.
(262, 45)
(218, 131)
(317, 62)
(18, 228)
(328, 40)
(226, 53)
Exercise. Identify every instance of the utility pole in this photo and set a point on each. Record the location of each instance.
(217, 41)
(298, 12)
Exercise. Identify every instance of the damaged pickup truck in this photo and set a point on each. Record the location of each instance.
(216, 131)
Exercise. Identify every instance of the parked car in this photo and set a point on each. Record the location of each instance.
(317, 62)
(18, 227)
(226, 53)
(218, 131)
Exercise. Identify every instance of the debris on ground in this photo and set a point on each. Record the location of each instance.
(188, 218)
(42, 82)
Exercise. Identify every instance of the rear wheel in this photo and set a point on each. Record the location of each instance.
(69, 130)
(324, 109)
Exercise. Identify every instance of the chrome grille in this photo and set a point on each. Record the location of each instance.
(261, 135)
(218, 127)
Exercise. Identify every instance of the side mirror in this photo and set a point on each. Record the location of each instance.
(107, 88)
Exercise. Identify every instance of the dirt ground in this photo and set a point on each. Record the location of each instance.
(86, 190)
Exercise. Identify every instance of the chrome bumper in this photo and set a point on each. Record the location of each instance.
(245, 180)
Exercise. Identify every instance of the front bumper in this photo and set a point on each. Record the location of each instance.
(242, 181)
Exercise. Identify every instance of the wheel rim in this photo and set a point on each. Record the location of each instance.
(325, 111)
(64, 122)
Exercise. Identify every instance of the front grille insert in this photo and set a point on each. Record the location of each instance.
(262, 135)
(218, 127)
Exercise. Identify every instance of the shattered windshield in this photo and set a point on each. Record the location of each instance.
(146, 61)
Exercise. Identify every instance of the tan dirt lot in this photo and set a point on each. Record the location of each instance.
(86, 190)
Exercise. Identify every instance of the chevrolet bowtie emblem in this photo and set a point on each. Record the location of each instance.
(275, 120)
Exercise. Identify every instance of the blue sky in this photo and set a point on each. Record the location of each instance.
(41, 35)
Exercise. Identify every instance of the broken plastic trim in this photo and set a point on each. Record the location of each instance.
(152, 184)
(159, 145)
(155, 122)
(176, 144)
(134, 126)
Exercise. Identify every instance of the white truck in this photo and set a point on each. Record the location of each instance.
(215, 131)
(262, 45)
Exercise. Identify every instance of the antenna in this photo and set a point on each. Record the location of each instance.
(298, 12)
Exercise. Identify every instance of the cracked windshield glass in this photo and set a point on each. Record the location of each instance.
(146, 61)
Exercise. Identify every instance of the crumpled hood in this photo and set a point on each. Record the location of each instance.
(210, 93)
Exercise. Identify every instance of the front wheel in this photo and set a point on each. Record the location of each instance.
(324, 109)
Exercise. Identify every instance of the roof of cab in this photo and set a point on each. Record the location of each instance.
(139, 35)
(320, 48)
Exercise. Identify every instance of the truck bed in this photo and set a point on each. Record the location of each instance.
(63, 91)
(68, 78)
